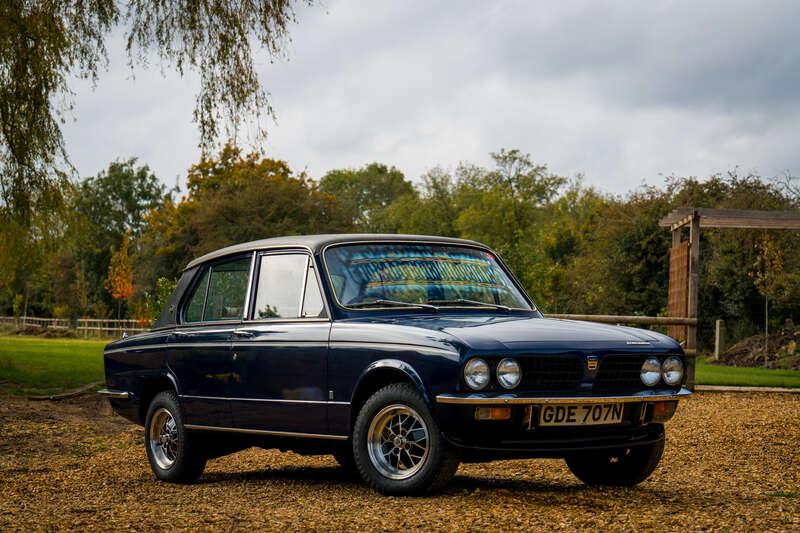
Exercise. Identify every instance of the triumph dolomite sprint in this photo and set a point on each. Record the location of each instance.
(401, 356)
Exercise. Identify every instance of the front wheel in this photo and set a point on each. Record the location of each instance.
(172, 454)
(397, 445)
(624, 467)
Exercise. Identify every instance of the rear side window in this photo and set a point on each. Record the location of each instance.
(287, 288)
(220, 292)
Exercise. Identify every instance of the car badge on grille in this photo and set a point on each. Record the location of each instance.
(592, 362)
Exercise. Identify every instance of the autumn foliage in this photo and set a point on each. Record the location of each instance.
(120, 272)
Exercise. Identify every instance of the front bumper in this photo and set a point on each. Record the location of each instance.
(519, 435)
(513, 399)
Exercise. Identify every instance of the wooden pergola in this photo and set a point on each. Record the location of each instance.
(684, 257)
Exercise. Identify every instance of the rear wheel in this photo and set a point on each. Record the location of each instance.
(173, 455)
(397, 446)
(624, 467)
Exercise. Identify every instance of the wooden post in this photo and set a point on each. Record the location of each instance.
(694, 267)
(719, 339)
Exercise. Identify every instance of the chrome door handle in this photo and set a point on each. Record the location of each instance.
(181, 334)
(242, 333)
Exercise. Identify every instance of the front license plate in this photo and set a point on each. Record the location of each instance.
(580, 415)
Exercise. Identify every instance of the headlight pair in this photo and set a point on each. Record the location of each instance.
(477, 373)
(671, 371)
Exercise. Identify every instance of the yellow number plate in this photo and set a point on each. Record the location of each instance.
(580, 414)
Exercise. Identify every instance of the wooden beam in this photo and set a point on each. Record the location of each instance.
(638, 320)
(733, 218)
(676, 237)
(694, 267)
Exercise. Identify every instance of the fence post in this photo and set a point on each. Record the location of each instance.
(719, 339)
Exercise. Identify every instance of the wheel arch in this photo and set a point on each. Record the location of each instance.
(152, 385)
(379, 374)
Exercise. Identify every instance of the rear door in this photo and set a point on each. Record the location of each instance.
(199, 349)
(281, 350)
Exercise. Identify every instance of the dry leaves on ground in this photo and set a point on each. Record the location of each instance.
(732, 462)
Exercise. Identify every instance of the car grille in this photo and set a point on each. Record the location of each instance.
(620, 371)
(547, 372)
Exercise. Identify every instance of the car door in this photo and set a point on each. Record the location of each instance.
(281, 350)
(199, 349)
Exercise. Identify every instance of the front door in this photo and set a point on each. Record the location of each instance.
(199, 349)
(280, 352)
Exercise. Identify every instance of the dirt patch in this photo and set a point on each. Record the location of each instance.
(778, 350)
(731, 463)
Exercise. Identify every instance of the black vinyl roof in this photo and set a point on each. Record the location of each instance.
(314, 243)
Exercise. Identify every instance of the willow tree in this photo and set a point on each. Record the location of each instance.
(46, 44)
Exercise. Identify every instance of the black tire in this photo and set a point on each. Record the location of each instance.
(185, 461)
(624, 467)
(344, 456)
(437, 465)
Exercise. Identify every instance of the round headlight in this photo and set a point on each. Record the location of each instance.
(508, 373)
(651, 371)
(672, 370)
(476, 373)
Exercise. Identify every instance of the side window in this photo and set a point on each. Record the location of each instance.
(194, 309)
(287, 288)
(280, 285)
(219, 293)
(227, 289)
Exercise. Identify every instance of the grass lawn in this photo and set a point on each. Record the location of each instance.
(706, 374)
(37, 366)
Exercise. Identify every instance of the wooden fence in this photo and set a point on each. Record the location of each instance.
(86, 327)
(634, 320)
(107, 327)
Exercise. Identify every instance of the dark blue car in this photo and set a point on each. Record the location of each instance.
(400, 355)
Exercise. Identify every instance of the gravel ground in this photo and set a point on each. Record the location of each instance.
(732, 463)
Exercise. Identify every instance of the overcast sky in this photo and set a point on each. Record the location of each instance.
(623, 92)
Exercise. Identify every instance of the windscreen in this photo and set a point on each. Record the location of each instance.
(440, 275)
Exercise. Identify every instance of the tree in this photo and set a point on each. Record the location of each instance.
(366, 192)
(498, 206)
(103, 210)
(120, 274)
(44, 44)
(235, 198)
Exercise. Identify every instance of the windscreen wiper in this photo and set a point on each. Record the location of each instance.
(475, 303)
(396, 303)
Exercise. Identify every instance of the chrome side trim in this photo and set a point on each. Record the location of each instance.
(266, 342)
(136, 348)
(391, 345)
(271, 400)
(115, 394)
(509, 399)
(266, 432)
(220, 344)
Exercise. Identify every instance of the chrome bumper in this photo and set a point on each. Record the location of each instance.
(512, 399)
(115, 394)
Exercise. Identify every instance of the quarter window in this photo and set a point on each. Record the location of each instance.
(287, 288)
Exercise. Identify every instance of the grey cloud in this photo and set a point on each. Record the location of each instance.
(622, 92)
